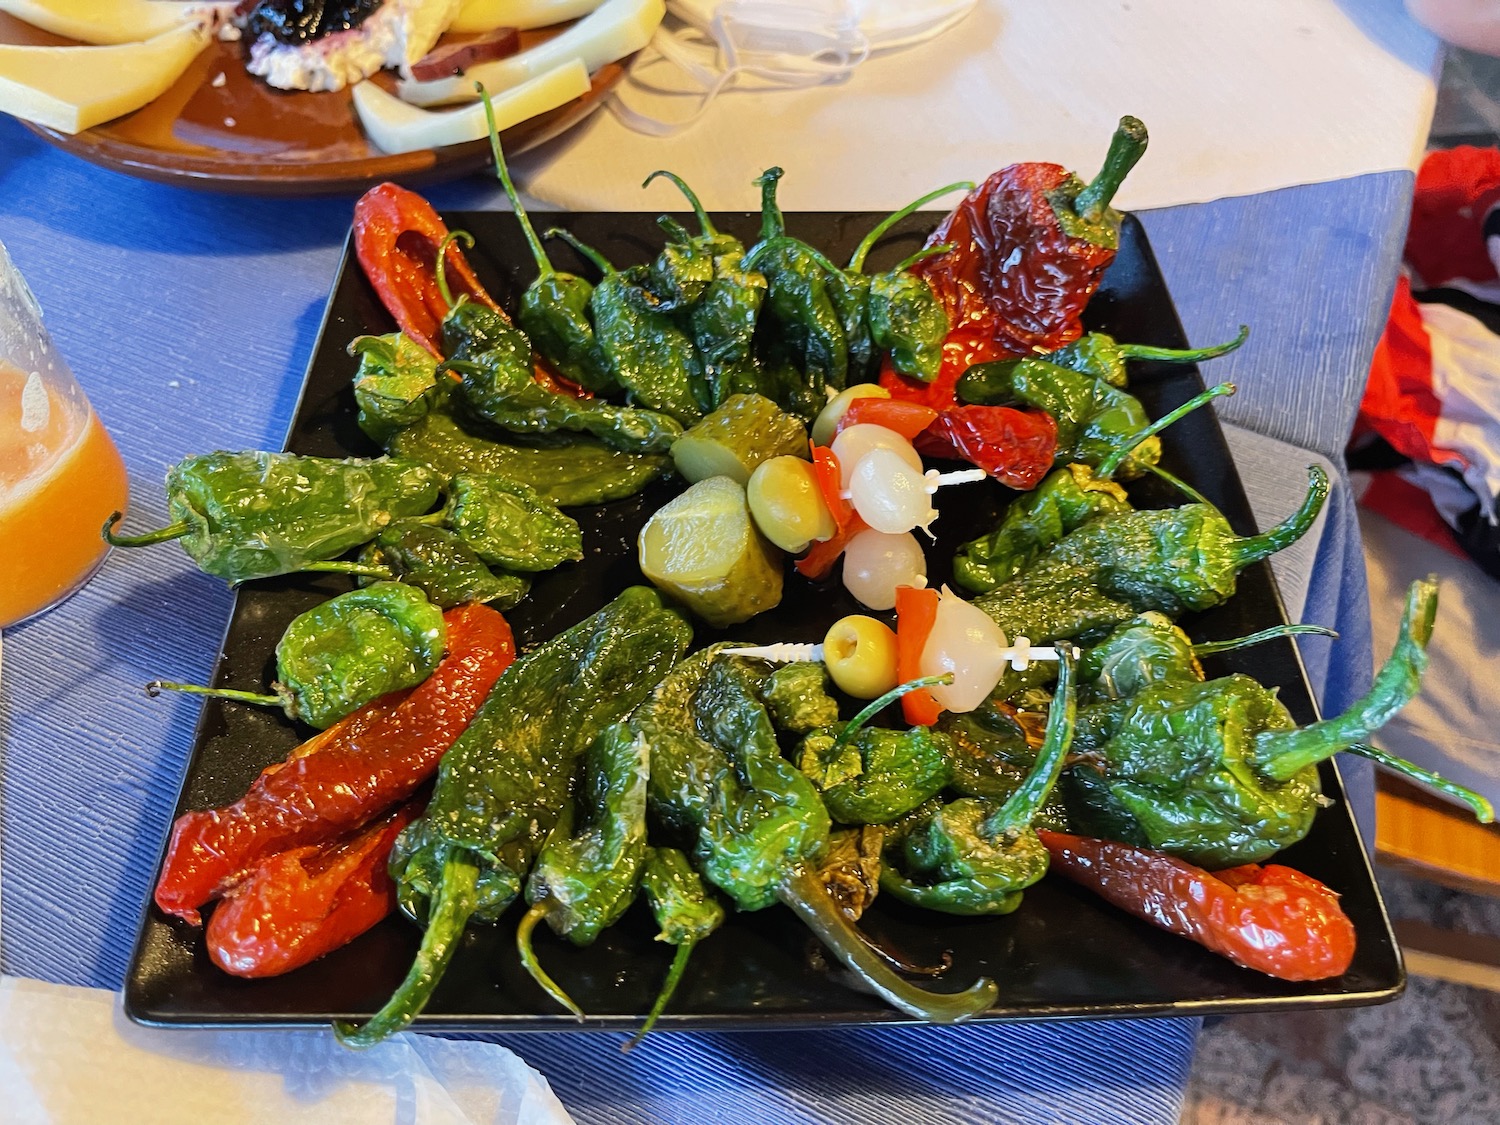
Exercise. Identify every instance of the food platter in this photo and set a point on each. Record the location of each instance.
(237, 134)
(1064, 954)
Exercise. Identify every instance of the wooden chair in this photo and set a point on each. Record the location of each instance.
(1426, 837)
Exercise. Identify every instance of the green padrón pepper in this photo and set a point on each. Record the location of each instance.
(502, 786)
(440, 564)
(256, 514)
(351, 649)
(511, 525)
(686, 912)
(397, 383)
(1104, 357)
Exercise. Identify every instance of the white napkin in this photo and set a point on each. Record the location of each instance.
(1239, 98)
(68, 1056)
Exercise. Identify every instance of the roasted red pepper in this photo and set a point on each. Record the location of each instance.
(1272, 918)
(1030, 246)
(1016, 447)
(396, 238)
(905, 417)
(338, 781)
(916, 613)
(297, 905)
(818, 560)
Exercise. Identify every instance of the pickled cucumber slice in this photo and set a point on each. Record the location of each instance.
(702, 549)
(738, 436)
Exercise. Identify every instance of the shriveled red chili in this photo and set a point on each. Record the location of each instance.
(396, 238)
(1270, 918)
(1016, 447)
(336, 782)
(297, 905)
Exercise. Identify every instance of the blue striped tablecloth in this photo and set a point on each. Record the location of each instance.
(189, 319)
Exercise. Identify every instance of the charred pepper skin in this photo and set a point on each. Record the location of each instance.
(1217, 772)
(503, 785)
(257, 514)
(346, 775)
(968, 856)
(755, 825)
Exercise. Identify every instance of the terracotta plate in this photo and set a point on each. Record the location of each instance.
(240, 135)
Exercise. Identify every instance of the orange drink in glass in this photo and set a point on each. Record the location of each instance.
(60, 474)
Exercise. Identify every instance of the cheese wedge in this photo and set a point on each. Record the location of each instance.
(487, 15)
(613, 30)
(394, 126)
(75, 88)
(108, 21)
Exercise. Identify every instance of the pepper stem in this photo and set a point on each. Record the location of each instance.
(809, 900)
(1275, 632)
(440, 268)
(533, 966)
(1183, 355)
(1178, 483)
(772, 225)
(1108, 466)
(160, 535)
(543, 263)
(1021, 807)
(583, 248)
(857, 261)
(853, 726)
(1484, 812)
(156, 687)
(1288, 531)
(922, 255)
(451, 908)
(361, 570)
(1279, 754)
(664, 997)
(704, 223)
(1126, 147)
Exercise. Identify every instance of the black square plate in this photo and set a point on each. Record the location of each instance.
(1065, 954)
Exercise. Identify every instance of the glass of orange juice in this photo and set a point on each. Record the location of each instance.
(60, 474)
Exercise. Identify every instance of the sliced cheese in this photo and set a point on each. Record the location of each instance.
(487, 15)
(394, 126)
(75, 88)
(107, 21)
(613, 30)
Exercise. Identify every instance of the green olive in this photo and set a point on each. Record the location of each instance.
(787, 504)
(860, 654)
(827, 422)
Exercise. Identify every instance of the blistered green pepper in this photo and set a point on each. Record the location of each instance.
(256, 514)
(809, 332)
(686, 912)
(511, 525)
(554, 310)
(502, 786)
(590, 865)
(1172, 560)
(1218, 772)
(567, 470)
(970, 857)
(494, 361)
(722, 316)
(439, 563)
(871, 775)
(395, 385)
(757, 825)
(341, 654)
(648, 353)
(991, 751)
(797, 697)
(1066, 499)
(1104, 357)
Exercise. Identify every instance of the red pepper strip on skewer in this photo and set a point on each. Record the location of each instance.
(905, 417)
(818, 560)
(297, 905)
(396, 238)
(336, 782)
(916, 613)
(1272, 918)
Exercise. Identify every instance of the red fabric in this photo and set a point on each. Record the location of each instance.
(1399, 402)
(1456, 189)
(1408, 506)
